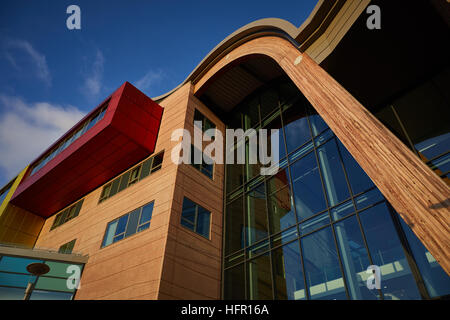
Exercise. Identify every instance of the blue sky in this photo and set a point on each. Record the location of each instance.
(51, 76)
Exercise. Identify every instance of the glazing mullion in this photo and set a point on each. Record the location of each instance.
(356, 214)
(292, 198)
(328, 206)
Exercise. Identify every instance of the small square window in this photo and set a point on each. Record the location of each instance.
(67, 247)
(195, 218)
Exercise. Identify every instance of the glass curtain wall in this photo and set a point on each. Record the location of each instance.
(311, 230)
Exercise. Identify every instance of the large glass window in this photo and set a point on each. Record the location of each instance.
(205, 123)
(128, 224)
(205, 167)
(14, 279)
(256, 214)
(289, 283)
(259, 278)
(434, 277)
(308, 192)
(387, 253)
(322, 270)
(312, 229)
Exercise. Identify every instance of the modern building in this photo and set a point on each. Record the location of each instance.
(363, 115)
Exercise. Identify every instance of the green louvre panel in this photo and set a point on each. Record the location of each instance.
(146, 168)
(60, 218)
(114, 187)
(124, 181)
(78, 208)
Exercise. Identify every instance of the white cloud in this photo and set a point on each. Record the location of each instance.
(38, 61)
(151, 78)
(27, 129)
(93, 82)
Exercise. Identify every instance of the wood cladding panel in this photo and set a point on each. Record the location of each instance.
(130, 268)
(417, 194)
(192, 263)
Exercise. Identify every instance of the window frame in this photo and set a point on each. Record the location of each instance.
(84, 127)
(195, 223)
(70, 244)
(104, 195)
(65, 215)
(116, 237)
(199, 116)
(201, 166)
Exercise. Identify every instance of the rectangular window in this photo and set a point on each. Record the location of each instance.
(195, 218)
(89, 123)
(205, 122)
(67, 247)
(105, 192)
(203, 167)
(128, 224)
(67, 214)
(132, 176)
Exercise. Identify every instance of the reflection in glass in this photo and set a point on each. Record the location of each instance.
(366, 199)
(12, 293)
(342, 210)
(397, 282)
(234, 226)
(15, 264)
(354, 259)
(281, 210)
(259, 278)
(256, 215)
(359, 181)
(234, 285)
(296, 127)
(332, 173)
(321, 180)
(274, 123)
(317, 123)
(314, 223)
(308, 194)
(50, 295)
(435, 278)
(288, 275)
(15, 280)
(323, 274)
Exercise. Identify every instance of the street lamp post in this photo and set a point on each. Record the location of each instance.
(36, 269)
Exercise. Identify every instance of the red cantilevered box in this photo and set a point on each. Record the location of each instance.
(125, 134)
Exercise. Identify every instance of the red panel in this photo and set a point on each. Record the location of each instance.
(124, 136)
